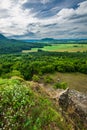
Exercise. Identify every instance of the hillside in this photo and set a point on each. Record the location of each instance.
(14, 46)
(2, 37)
(26, 106)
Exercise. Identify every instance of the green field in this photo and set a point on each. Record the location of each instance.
(66, 47)
(62, 48)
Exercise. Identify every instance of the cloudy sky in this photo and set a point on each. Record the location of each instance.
(36, 19)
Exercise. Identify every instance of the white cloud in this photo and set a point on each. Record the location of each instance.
(45, 1)
(82, 9)
(5, 4)
(17, 20)
(65, 13)
(14, 20)
(70, 12)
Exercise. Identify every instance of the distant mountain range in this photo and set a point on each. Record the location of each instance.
(52, 40)
(2, 37)
(48, 39)
(44, 40)
(63, 40)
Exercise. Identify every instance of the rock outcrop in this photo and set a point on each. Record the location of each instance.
(74, 104)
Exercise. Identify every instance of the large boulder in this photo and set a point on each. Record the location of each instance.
(74, 104)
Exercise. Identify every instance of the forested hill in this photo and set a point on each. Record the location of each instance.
(2, 37)
(12, 46)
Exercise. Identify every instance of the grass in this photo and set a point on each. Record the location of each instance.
(66, 47)
(61, 48)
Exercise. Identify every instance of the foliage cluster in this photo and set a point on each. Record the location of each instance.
(60, 85)
(35, 78)
(48, 79)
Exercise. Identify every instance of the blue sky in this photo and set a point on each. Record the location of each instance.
(36, 19)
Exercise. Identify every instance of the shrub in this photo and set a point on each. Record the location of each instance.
(61, 85)
(35, 78)
(48, 79)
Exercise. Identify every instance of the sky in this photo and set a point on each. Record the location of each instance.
(36, 19)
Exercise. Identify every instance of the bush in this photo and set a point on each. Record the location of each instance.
(35, 78)
(62, 85)
(48, 79)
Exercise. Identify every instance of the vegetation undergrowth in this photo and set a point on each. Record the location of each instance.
(23, 109)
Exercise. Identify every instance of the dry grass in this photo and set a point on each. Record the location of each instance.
(76, 81)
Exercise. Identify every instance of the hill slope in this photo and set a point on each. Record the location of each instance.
(13, 46)
(2, 37)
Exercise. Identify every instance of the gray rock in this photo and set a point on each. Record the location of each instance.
(74, 103)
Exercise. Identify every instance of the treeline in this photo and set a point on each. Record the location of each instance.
(39, 63)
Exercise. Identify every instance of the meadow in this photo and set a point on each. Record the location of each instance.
(77, 81)
(61, 48)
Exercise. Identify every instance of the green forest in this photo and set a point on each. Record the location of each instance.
(39, 63)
